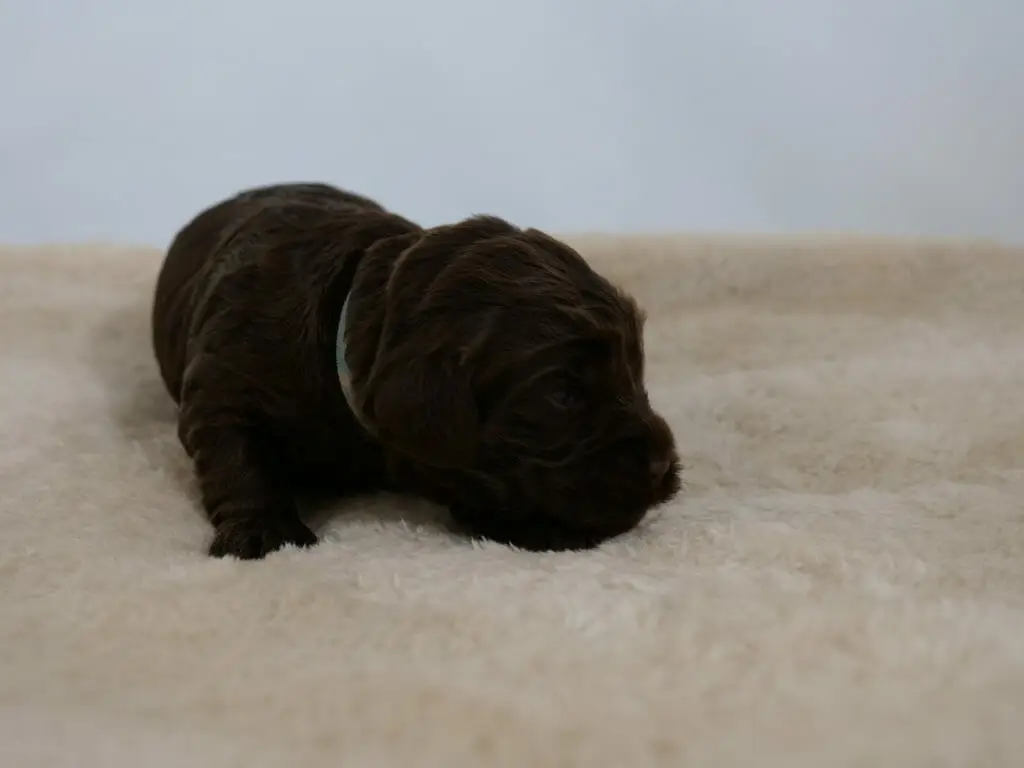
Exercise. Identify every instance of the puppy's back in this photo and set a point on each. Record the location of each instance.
(199, 241)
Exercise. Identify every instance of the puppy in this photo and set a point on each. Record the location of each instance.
(316, 343)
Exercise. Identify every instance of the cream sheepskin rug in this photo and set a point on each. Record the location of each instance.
(841, 584)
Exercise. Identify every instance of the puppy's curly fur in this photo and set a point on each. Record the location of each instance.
(492, 371)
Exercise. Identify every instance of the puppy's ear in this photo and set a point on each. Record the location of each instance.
(424, 407)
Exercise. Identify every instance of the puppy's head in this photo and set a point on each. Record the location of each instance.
(504, 361)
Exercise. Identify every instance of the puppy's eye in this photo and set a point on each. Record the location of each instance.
(567, 396)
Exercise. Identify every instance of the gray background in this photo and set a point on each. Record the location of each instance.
(121, 117)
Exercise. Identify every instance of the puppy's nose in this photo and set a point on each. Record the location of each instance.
(659, 468)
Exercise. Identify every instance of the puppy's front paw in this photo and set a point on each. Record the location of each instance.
(254, 539)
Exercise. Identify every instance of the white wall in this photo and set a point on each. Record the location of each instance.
(121, 117)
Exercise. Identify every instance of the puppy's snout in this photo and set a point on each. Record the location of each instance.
(659, 468)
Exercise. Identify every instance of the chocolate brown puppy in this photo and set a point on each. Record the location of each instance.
(316, 343)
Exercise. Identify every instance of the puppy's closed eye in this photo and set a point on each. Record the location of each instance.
(567, 395)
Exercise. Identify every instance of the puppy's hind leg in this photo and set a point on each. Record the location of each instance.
(244, 496)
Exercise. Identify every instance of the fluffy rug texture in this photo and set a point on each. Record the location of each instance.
(841, 584)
